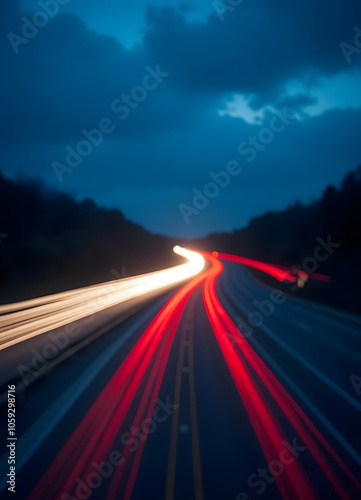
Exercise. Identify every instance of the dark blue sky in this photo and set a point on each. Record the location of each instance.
(224, 79)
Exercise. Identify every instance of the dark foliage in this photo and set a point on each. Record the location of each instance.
(290, 238)
(55, 243)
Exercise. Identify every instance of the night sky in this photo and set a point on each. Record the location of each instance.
(218, 82)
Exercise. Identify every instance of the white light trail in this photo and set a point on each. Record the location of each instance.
(24, 320)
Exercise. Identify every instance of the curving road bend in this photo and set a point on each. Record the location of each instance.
(214, 387)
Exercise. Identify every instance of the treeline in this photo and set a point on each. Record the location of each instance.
(292, 236)
(50, 242)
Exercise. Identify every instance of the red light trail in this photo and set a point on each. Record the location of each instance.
(93, 438)
(133, 390)
(281, 273)
(240, 355)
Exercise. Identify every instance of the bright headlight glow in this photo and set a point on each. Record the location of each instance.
(23, 320)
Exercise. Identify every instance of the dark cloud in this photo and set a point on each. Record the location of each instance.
(257, 48)
(297, 102)
(66, 77)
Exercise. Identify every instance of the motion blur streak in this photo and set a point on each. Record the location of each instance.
(263, 421)
(129, 399)
(281, 273)
(241, 358)
(275, 271)
(95, 435)
(150, 396)
(27, 319)
(303, 274)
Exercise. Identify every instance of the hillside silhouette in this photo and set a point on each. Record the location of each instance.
(55, 243)
(291, 237)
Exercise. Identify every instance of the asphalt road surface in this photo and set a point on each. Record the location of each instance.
(222, 388)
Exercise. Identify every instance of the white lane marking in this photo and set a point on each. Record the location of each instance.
(31, 440)
(341, 392)
(336, 434)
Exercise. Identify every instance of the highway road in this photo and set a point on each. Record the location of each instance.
(215, 387)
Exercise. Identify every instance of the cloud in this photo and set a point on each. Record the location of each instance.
(257, 48)
(67, 76)
(65, 79)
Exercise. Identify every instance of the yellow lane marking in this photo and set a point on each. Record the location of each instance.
(198, 486)
(175, 423)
